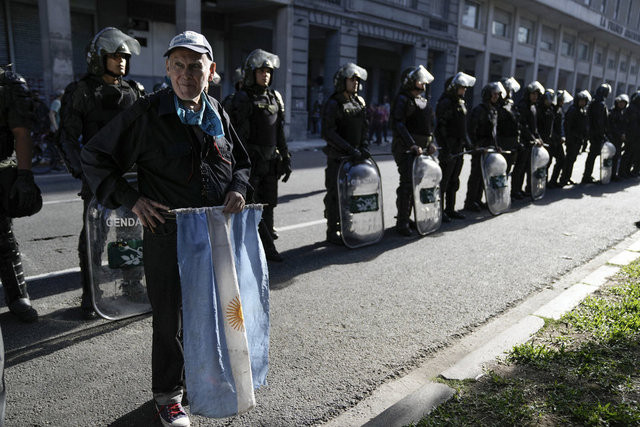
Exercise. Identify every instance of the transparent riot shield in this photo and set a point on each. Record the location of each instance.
(606, 162)
(497, 187)
(538, 176)
(427, 210)
(114, 241)
(360, 199)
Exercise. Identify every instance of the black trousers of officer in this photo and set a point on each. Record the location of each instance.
(630, 161)
(521, 168)
(615, 172)
(83, 252)
(264, 183)
(11, 272)
(556, 151)
(331, 204)
(595, 146)
(404, 192)
(474, 183)
(573, 149)
(163, 289)
(451, 168)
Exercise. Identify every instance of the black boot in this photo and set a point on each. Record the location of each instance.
(12, 276)
(270, 250)
(403, 203)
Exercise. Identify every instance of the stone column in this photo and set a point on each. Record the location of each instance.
(341, 47)
(285, 77)
(57, 53)
(188, 16)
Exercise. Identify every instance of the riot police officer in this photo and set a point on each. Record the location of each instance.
(619, 130)
(630, 162)
(576, 128)
(508, 131)
(451, 136)
(345, 128)
(546, 119)
(483, 123)
(16, 120)
(556, 148)
(227, 103)
(529, 136)
(98, 97)
(257, 114)
(412, 122)
(598, 129)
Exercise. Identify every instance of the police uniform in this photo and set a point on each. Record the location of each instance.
(16, 111)
(451, 135)
(619, 131)
(528, 117)
(94, 104)
(345, 129)
(483, 122)
(598, 129)
(556, 149)
(412, 124)
(576, 127)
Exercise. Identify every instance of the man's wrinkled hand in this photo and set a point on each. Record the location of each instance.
(148, 211)
(233, 202)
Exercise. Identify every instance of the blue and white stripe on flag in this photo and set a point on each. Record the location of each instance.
(225, 308)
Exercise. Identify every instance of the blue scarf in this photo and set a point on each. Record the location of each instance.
(207, 117)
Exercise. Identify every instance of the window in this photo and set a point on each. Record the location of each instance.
(548, 38)
(439, 8)
(587, 2)
(583, 51)
(623, 66)
(524, 35)
(629, 13)
(611, 64)
(603, 6)
(616, 11)
(500, 25)
(566, 49)
(470, 15)
(634, 68)
(598, 57)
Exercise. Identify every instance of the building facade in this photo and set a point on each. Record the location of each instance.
(562, 43)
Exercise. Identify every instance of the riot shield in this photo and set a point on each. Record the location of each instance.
(497, 187)
(360, 199)
(427, 210)
(538, 175)
(114, 241)
(606, 162)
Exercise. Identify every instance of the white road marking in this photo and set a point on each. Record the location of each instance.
(301, 225)
(55, 202)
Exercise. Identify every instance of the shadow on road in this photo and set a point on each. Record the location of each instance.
(289, 197)
(54, 330)
(144, 415)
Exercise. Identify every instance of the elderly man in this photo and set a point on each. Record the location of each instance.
(188, 155)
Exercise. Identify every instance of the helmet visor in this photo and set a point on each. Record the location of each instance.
(565, 96)
(112, 40)
(352, 70)
(585, 94)
(262, 59)
(536, 87)
(623, 97)
(421, 75)
(512, 85)
(462, 79)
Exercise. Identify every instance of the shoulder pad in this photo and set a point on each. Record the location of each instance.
(361, 100)
(136, 85)
(17, 83)
(279, 100)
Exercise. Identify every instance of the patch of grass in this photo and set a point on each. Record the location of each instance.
(582, 370)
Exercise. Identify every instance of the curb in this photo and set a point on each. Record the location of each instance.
(420, 396)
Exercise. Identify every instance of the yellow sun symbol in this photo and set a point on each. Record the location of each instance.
(234, 314)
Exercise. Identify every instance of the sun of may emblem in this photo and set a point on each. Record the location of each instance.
(234, 314)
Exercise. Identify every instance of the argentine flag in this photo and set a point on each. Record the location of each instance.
(225, 308)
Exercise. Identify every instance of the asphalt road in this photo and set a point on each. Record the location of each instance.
(342, 321)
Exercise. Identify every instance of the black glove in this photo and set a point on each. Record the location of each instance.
(356, 154)
(287, 170)
(24, 191)
(468, 146)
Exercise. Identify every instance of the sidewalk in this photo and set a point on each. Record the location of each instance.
(411, 397)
